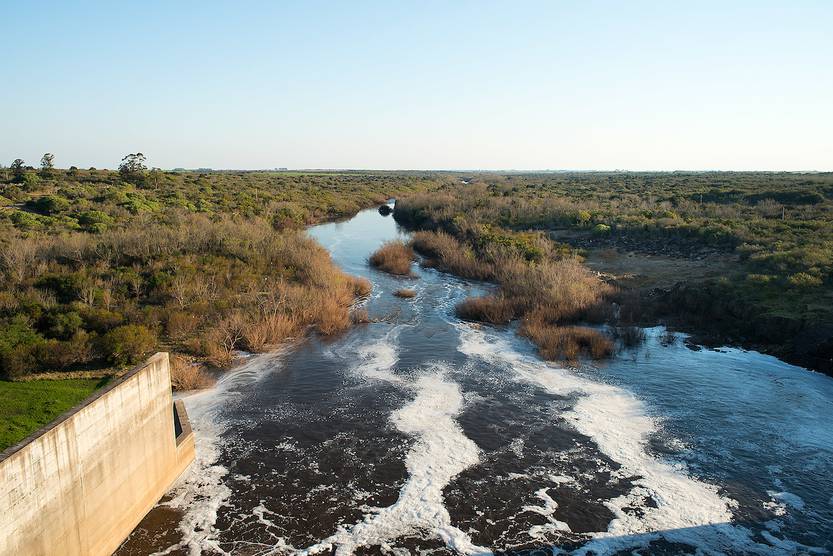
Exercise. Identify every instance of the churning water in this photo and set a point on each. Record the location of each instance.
(422, 434)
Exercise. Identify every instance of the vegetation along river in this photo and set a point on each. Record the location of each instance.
(419, 433)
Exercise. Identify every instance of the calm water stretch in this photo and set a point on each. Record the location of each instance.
(423, 434)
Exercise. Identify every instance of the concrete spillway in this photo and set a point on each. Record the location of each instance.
(80, 485)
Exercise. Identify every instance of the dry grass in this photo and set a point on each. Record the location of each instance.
(494, 309)
(187, 375)
(267, 332)
(567, 342)
(405, 293)
(361, 286)
(393, 257)
(451, 255)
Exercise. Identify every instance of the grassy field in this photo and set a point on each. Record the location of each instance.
(27, 406)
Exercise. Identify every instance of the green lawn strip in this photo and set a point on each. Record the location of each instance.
(27, 406)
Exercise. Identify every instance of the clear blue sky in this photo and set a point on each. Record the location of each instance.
(493, 85)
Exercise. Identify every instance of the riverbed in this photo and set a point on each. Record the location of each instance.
(418, 433)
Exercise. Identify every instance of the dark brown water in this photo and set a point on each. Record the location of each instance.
(421, 434)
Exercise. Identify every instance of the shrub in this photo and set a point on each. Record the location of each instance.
(333, 318)
(60, 325)
(49, 204)
(601, 230)
(267, 332)
(361, 286)
(804, 280)
(187, 375)
(179, 324)
(94, 219)
(18, 341)
(404, 292)
(566, 342)
(394, 257)
(128, 344)
(56, 354)
(451, 255)
(494, 309)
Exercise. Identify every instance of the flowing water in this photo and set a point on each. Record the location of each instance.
(422, 434)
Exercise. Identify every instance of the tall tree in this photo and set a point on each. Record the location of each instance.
(47, 164)
(18, 169)
(132, 167)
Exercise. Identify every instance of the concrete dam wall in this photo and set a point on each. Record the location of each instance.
(80, 485)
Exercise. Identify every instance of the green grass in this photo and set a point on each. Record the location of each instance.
(27, 406)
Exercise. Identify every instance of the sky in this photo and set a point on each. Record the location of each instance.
(527, 85)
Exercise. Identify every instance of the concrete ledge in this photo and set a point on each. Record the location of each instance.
(80, 485)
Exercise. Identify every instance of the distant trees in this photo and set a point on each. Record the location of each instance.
(132, 168)
(18, 168)
(47, 165)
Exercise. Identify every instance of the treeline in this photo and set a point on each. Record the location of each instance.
(99, 268)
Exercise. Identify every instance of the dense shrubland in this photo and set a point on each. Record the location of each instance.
(98, 268)
(780, 224)
(204, 286)
(778, 228)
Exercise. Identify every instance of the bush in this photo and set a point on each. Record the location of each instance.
(49, 204)
(494, 309)
(601, 230)
(394, 257)
(186, 375)
(128, 344)
(404, 293)
(804, 280)
(567, 342)
(18, 341)
(56, 354)
(451, 255)
(60, 325)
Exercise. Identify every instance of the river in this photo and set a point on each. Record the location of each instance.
(420, 434)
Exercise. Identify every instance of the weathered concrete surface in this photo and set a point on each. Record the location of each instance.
(80, 486)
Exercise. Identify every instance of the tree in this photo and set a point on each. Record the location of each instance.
(154, 177)
(132, 168)
(47, 164)
(18, 169)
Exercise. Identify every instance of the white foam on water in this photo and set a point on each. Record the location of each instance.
(788, 498)
(547, 510)
(687, 510)
(378, 358)
(201, 491)
(440, 452)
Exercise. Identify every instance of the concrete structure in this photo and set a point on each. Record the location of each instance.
(80, 485)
